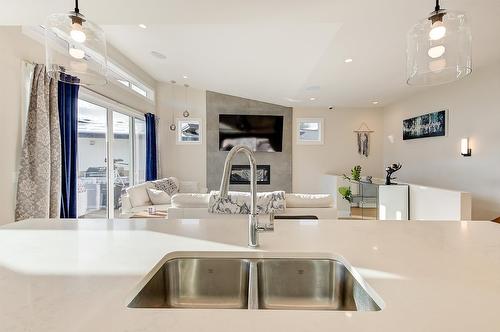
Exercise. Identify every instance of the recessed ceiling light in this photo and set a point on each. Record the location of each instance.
(312, 99)
(185, 77)
(158, 55)
(374, 102)
(348, 60)
(143, 26)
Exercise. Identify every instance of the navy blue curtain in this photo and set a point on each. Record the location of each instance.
(68, 121)
(151, 165)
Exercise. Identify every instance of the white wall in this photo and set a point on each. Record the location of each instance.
(339, 152)
(474, 111)
(186, 162)
(14, 48)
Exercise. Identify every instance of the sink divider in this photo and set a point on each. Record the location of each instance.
(253, 293)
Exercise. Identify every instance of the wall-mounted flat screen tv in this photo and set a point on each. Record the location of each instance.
(261, 133)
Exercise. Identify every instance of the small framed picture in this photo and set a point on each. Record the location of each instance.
(310, 131)
(189, 131)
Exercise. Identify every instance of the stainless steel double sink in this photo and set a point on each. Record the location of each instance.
(246, 280)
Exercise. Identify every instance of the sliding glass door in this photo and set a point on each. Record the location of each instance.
(139, 151)
(92, 161)
(122, 150)
(107, 132)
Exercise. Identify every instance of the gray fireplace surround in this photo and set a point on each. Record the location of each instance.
(280, 162)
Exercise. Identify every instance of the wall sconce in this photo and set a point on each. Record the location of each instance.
(465, 150)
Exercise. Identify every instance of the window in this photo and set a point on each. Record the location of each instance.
(139, 90)
(128, 81)
(309, 131)
(107, 131)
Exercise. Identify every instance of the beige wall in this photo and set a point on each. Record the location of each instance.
(339, 152)
(186, 162)
(14, 48)
(474, 111)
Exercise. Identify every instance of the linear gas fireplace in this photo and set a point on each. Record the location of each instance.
(240, 174)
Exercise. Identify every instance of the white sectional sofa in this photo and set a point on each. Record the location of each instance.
(195, 206)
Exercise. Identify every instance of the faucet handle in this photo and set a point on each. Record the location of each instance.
(267, 227)
(271, 218)
(270, 227)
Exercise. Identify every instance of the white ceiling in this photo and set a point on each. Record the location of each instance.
(280, 51)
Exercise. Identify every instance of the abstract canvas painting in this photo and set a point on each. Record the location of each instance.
(427, 125)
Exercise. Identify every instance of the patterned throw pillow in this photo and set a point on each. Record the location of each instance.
(168, 185)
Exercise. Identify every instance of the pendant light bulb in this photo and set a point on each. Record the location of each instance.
(76, 53)
(77, 33)
(436, 51)
(438, 31)
(77, 20)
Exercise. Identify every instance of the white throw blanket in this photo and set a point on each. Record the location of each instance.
(239, 202)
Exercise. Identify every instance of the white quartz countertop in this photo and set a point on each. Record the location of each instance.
(77, 276)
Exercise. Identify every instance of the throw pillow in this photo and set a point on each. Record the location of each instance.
(158, 197)
(168, 185)
(138, 194)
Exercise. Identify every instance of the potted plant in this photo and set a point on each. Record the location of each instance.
(356, 173)
(346, 193)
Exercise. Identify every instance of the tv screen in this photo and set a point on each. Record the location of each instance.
(262, 133)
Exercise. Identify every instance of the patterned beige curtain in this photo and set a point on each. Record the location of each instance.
(39, 181)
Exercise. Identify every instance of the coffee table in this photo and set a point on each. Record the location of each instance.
(145, 214)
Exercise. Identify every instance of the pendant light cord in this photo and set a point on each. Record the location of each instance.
(172, 88)
(76, 7)
(186, 96)
(438, 7)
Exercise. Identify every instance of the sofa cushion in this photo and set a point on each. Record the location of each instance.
(169, 185)
(158, 197)
(182, 200)
(138, 194)
(237, 202)
(309, 200)
(189, 187)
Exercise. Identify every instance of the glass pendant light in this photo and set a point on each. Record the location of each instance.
(186, 112)
(75, 49)
(172, 122)
(439, 48)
